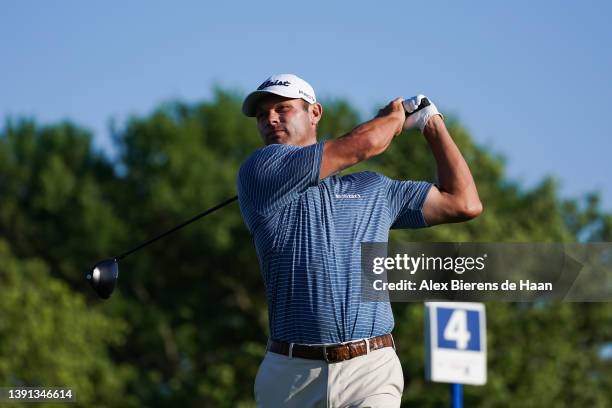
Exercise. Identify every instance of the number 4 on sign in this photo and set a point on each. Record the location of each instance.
(455, 342)
(456, 329)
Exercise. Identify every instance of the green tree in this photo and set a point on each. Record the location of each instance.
(54, 188)
(48, 337)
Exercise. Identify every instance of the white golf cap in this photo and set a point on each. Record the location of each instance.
(287, 85)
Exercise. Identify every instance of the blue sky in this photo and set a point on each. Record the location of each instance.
(530, 80)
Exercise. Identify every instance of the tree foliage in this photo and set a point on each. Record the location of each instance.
(188, 323)
(48, 337)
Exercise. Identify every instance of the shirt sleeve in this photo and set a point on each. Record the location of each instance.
(406, 199)
(277, 174)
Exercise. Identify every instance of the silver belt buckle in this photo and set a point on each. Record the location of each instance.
(291, 350)
(325, 354)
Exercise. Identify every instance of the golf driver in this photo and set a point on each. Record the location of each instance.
(104, 274)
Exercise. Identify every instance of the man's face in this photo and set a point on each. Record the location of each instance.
(282, 120)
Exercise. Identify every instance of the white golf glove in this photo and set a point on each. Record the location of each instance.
(419, 117)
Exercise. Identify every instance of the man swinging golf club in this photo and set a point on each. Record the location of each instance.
(326, 348)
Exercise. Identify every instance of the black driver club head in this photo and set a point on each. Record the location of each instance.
(103, 277)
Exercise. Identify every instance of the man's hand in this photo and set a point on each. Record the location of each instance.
(395, 109)
(415, 117)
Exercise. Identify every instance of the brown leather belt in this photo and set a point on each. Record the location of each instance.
(331, 353)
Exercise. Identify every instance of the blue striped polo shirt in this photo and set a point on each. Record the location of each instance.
(307, 234)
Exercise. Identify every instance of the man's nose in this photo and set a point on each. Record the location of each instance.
(272, 117)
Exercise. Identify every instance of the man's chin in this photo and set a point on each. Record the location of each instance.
(275, 139)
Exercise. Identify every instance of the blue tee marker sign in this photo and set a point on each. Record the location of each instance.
(455, 342)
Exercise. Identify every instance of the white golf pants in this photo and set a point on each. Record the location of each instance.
(372, 380)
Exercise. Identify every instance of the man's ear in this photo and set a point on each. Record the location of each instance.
(315, 112)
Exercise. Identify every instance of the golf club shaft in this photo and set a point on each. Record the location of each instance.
(197, 217)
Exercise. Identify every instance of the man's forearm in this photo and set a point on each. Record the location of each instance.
(454, 176)
(374, 136)
(365, 141)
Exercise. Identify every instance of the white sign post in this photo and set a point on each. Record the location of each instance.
(455, 343)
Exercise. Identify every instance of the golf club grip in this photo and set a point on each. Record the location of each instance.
(424, 103)
(170, 231)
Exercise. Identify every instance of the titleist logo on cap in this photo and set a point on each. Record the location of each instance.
(288, 86)
(273, 83)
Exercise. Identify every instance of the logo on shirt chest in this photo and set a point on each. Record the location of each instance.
(349, 196)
